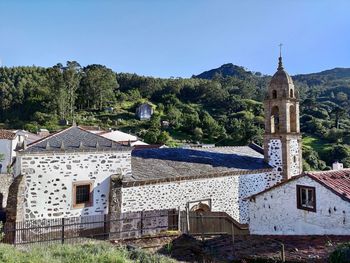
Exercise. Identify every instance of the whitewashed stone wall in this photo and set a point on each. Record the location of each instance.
(275, 212)
(294, 157)
(275, 154)
(49, 181)
(226, 193)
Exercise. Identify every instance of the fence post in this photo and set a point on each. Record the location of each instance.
(233, 233)
(187, 220)
(141, 223)
(283, 253)
(14, 233)
(105, 225)
(62, 233)
(179, 220)
(202, 226)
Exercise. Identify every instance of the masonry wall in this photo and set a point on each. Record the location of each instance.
(5, 182)
(276, 213)
(49, 181)
(226, 193)
(7, 149)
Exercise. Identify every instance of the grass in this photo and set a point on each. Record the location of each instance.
(90, 252)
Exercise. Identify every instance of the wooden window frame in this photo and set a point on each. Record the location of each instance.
(299, 205)
(74, 192)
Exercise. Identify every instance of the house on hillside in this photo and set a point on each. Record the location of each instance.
(122, 138)
(64, 175)
(144, 111)
(314, 203)
(10, 141)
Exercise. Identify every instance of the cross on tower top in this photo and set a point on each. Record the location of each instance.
(280, 45)
(280, 65)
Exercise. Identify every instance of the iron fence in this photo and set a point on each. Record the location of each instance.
(73, 229)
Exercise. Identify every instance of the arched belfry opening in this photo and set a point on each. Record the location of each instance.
(275, 120)
(293, 119)
(274, 94)
(291, 93)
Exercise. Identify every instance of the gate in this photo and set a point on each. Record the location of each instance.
(211, 224)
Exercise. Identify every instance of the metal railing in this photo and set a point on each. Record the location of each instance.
(75, 229)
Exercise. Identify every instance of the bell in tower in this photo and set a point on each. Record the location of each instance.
(282, 138)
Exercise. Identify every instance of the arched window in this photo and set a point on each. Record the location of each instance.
(274, 94)
(293, 119)
(200, 207)
(275, 121)
(291, 93)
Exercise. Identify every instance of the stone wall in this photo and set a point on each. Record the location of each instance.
(294, 157)
(275, 212)
(49, 181)
(5, 182)
(275, 154)
(227, 194)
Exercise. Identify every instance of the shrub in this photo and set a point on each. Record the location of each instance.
(341, 254)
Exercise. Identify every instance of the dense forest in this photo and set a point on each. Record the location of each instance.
(221, 106)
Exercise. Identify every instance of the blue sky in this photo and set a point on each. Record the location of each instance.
(176, 37)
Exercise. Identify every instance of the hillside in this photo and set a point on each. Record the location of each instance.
(221, 106)
(227, 70)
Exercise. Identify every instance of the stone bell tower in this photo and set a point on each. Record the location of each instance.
(282, 138)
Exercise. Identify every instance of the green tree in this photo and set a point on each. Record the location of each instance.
(98, 86)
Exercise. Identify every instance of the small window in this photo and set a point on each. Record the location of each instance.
(306, 198)
(274, 94)
(82, 194)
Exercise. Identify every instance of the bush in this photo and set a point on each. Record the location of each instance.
(341, 254)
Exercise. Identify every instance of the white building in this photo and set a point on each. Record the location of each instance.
(144, 111)
(66, 174)
(315, 203)
(122, 138)
(10, 141)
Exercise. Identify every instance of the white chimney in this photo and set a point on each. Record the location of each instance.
(337, 166)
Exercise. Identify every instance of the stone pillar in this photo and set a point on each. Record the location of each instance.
(115, 206)
(15, 204)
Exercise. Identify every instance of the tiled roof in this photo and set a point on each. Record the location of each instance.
(73, 139)
(151, 164)
(7, 135)
(338, 181)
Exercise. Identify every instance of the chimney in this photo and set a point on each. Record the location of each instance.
(337, 166)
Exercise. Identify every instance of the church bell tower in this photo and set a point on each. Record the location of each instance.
(282, 138)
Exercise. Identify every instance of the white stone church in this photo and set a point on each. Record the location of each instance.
(69, 173)
(77, 173)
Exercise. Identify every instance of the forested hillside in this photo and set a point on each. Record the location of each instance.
(222, 106)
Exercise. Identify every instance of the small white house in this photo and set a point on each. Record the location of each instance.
(122, 138)
(314, 203)
(144, 111)
(10, 141)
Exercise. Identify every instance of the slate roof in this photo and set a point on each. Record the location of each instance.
(337, 181)
(73, 139)
(152, 164)
(7, 135)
